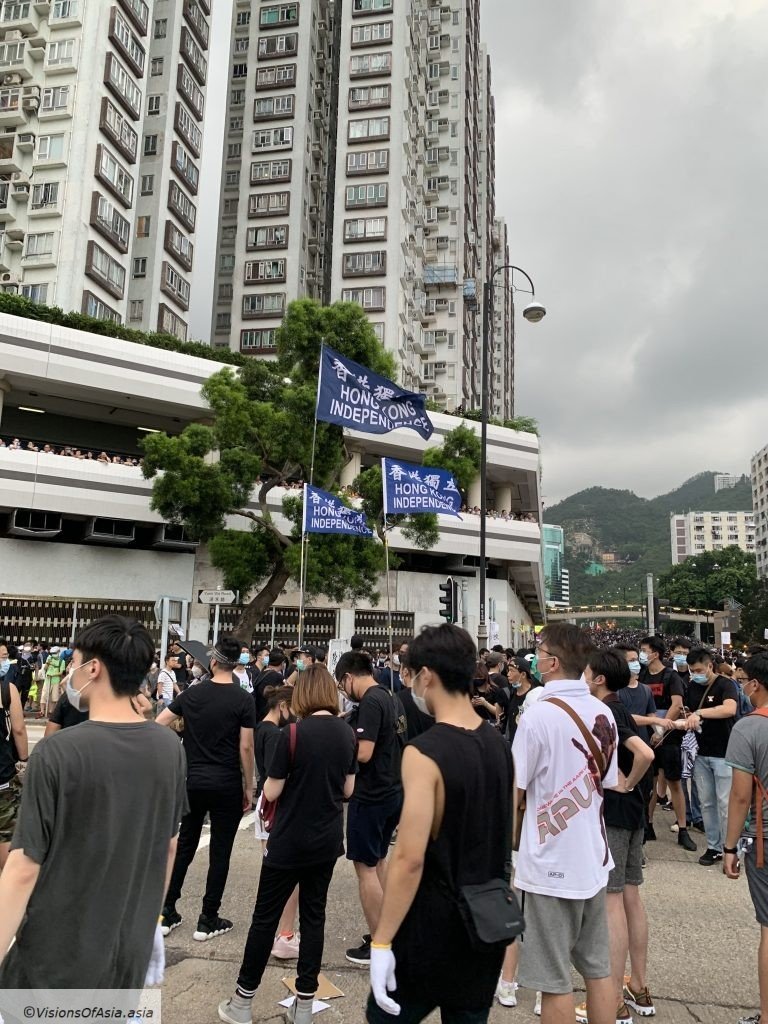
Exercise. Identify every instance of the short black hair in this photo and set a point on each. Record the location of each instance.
(757, 668)
(570, 645)
(353, 663)
(276, 657)
(656, 643)
(482, 651)
(451, 654)
(696, 655)
(626, 648)
(613, 666)
(229, 647)
(497, 649)
(356, 643)
(123, 646)
(682, 641)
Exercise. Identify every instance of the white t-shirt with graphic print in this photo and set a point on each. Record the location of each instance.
(563, 849)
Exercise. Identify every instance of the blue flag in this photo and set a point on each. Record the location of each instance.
(352, 396)
(326, 513)
(410, 489)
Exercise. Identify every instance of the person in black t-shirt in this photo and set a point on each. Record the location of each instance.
(520, 683)
(64, 716)
(306, 840)
(271, 675)
(607, 673)
(218, 741)
(713, 702)
(375, 808)
(417, 722)
(668, 696)
(489, 701)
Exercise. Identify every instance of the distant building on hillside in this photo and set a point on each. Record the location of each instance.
(557, 581)
(693, 533)
(760, 509)
(727, 481)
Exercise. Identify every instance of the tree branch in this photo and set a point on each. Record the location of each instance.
(263, 524)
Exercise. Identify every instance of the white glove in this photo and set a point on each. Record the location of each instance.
(383, 979)
(156, 969)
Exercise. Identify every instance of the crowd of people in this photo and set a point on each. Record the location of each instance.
(13, 444)
(423, 751)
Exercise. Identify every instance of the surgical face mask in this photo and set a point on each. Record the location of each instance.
(300, 664)
(5, 664)
(535, 668)
(265, 660)
(396, 660)
(419, 700)
(514, 686)
(244, 658)
(634, 667)
(644, 659)
(27, 650)
(73, 695)
(699, 677)
(679, 659)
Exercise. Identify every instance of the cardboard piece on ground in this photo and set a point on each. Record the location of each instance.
(317, 1005)
(325, 988)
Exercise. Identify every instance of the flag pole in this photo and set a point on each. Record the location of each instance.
(304, 534)
(386, 565)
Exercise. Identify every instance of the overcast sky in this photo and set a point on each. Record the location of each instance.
(633, 171)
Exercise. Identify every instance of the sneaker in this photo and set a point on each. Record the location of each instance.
(537, 1005)
(639, 1001)
(361, 954)
(644, 862)
(754, 1019)
(684, 840)
(666, 803)
(650, 834)
(285, 948)
(623, 1016)
(299, 1012)
(710, 857)
(698, 825)
(506, 992)
(234, 1011)
(210, 927)
(171, 919)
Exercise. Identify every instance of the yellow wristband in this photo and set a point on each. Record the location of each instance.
(381, 945)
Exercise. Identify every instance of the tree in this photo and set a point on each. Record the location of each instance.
(260, 437)
(754, 615)
(696, 583)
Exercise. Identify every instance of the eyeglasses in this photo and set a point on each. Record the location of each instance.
(546, 654)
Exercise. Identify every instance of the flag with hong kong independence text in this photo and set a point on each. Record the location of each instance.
(353, 396)
(409, 490)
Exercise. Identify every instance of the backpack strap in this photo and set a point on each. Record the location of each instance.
(589, 739)
(292, 731)
(760, 796)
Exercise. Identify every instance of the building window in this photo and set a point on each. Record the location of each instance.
(279, 16)
(55, 98)
(234, 150)
(143, 225)
(169, 323)
(140, 266)
(367, 64)
(258, 340)
(263, 304)
(100, 266)
(109, 222)
(368, 128)
(368, 298)
(63, 9)
(40, 244)
(35, 292)
(275, 237)
(153, 106)
(366, 195)
(369, 161)
(123, 86)
(279, 76)
(121, 35)
(193, 56)
(136, 310)
(272, 107)
(241, 45)
(223, 322)
(147, 184)
(117, 128)
(371, 6)
(44, 195)
(243, 19)
(264, 171)
(239, 71)
(183, 164)
(157, 66)
(359, 264)
(278, 46)
(365, 229)
(272, 138)
(60, 53)
(180, 204)
(112, 173)
(50, 147)
(363, 96)
(150, 145)
(178, 245)
(192, 93)
(99, 310)
(160, 30)
(372, 33)
(264, 270)
(269, 204)
(173, 284)
(187, 129)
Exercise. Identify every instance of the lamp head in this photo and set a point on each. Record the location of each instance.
(534, 312)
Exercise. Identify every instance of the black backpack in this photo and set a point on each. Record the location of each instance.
(23, 677)
(5, 716)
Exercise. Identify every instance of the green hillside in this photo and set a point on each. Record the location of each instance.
(600, 520)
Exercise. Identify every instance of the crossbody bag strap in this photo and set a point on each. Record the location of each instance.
(706, 692)
(589, 739)
(292, 729)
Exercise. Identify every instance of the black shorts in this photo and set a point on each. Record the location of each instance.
(370, 828)
(669, 759)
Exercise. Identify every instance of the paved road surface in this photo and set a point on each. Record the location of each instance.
(702, 956)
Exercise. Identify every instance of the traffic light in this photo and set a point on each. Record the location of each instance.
(449, 600)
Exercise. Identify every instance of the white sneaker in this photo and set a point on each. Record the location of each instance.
(286, 949)
(537, 1005)
(506, 992)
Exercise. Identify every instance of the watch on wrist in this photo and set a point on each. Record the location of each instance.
(730, 849)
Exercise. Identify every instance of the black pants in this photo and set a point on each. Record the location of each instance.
(275, 886)
(226, 809)
(415, 1012)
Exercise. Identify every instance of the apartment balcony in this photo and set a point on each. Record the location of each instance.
(10, 158)
(6, 211)
(12, 112)
(424, 345)
(16, 60)
(20, 17)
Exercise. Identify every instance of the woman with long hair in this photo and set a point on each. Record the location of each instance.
(311, 773)
(278, 700)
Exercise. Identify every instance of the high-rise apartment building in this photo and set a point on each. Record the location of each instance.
(276, 189)
(80, 173)
(557, 579)
(365, 172)
(692, 533)
(760, 509)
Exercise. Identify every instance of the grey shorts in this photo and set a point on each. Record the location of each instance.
(627, 851)
(559, 933)
(757, 879)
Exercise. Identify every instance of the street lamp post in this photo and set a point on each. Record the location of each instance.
(533, 312)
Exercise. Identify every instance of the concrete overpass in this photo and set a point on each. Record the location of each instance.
(620, 611)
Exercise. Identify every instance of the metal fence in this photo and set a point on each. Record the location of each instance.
(57, 619)
(281, 625)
